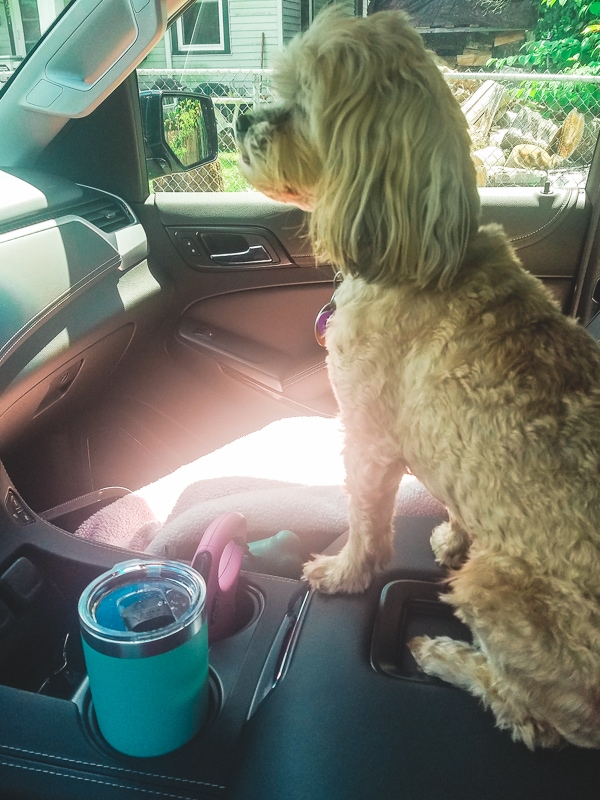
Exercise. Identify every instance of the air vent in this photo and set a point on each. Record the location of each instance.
(102, 210)
(105, 213)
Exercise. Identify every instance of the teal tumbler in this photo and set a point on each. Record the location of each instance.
(145, 640)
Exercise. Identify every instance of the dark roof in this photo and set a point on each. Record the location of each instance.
(491, 14)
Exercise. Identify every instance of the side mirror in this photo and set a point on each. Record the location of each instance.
(180, 131)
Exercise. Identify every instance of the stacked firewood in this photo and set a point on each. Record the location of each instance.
(516, 145)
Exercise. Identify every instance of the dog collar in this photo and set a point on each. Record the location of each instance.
(325, 314)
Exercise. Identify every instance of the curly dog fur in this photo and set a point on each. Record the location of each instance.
(447, 358)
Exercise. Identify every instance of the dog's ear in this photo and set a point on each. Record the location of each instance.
(397, 197)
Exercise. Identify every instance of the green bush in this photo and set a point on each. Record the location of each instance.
(566, 41)
(185, 130)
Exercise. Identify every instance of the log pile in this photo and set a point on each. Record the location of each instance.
(515, 145)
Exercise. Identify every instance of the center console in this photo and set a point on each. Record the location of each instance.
(312, 698)
(50, 745)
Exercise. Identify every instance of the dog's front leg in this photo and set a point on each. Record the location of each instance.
(372, 485)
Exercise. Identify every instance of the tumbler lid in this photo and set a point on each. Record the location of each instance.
(142, 608)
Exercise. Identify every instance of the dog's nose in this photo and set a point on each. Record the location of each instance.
(243, 122)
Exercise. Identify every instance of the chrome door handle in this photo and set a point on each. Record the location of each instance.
(254, 254)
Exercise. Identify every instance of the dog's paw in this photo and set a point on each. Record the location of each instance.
(439, 657)
(418, 646)
(333, 574)
(450, 546)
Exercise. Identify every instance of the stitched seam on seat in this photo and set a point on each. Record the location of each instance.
(124, 770)
(305, 373)
(95, 780)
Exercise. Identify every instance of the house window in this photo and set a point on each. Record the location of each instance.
(306, 13)
(203, 28)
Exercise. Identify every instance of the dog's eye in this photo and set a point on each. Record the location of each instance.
(245, 159)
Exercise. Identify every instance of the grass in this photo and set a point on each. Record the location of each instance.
(233, 178)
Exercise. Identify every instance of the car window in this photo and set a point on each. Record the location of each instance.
(526, 73)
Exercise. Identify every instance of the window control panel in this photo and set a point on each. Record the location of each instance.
(17, 509)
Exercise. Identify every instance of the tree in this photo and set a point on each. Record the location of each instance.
(566, 39)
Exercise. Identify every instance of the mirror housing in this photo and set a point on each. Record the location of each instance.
(180, 131)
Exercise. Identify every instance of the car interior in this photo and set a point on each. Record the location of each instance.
(132, 344)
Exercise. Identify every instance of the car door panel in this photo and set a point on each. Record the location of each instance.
(238, 210)
(547, 230)
(265, 340)
(257, 321)
(257, 324)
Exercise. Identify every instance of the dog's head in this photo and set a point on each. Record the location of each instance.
(367, 135)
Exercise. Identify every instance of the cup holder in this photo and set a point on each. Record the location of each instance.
(249, 605)
(83, 700)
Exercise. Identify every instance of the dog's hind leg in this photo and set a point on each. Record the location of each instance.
(450, 544)
(455, 662)
(467, 667)
(372, 485)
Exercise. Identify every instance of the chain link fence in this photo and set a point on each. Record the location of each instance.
(527, 129)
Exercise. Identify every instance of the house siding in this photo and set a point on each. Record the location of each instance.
(156, 58)
(249, 21)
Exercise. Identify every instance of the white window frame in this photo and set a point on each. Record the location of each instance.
(221, 47)
(47, 11)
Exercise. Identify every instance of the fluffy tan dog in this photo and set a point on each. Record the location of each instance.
(448, 358)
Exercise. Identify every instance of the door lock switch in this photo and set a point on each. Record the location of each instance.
(17, 509)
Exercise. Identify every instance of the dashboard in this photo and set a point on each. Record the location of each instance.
(74, 287)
